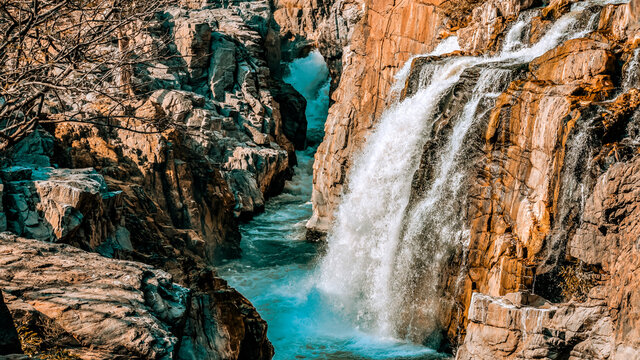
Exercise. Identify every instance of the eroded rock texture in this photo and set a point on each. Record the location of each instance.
(381, 38)
(100, 308)
(170, 199)
(546, 143)
(546, 208)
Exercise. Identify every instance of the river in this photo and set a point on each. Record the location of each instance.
(278, 270)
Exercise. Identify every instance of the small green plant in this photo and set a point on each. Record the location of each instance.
(576, 282)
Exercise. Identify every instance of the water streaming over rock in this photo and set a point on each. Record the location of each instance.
(631, 77)
(277, 268)
(398, 229)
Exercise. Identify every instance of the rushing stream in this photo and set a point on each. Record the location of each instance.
(278, 268)
(377, 280)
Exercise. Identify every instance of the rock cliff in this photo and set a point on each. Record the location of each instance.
(546, 270)
(169, 200)
(73, 302)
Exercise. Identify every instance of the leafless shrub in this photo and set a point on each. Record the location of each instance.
(72, 60)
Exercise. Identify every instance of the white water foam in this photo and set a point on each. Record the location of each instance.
(377, 241)
(631, 77)
(446, 46)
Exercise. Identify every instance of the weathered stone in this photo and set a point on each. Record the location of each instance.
(488, 22)
(249, 199)
(175, 193)
(222, 67)
(121, 308)
(193, 40)
(501, 328)
(577, 60)
(34, 150)
(292, 109)
(608, 237)
(176, 104)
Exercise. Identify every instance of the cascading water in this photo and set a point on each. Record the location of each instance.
(389, 242)
(400, 219)
(277, 268)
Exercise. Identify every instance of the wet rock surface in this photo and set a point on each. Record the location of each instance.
(535, 168)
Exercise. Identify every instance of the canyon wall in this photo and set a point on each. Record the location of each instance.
(365, 42)
(168, 200)
(545, 270)
(548, 146)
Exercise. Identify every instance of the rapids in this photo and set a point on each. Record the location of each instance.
(373, 288)
(278, 268)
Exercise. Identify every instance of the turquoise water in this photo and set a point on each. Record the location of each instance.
(277, 271)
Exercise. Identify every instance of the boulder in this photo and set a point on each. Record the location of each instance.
(98, 308)
(515, 327)
(69, 205)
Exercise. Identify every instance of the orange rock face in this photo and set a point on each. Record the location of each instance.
(388, 35)
(525, 141)
(519, 210)
(524, 214)
(609, 238)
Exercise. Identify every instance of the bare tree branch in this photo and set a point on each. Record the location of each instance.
(55, 53)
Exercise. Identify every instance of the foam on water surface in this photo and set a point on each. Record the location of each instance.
(277, 271)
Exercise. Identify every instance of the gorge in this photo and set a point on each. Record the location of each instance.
(340, 179)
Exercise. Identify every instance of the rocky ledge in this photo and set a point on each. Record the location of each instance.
(68, 301)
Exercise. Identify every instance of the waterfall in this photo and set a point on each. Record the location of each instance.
(310, 77)
(393, 235)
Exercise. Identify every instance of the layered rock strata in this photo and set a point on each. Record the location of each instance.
(92, 307)
(544, 147)
(169, 199)
(538, 167)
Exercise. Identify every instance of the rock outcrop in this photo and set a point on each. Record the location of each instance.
(547, 197)
(98, 308)
(167, 197)
(546, 142)
(548, 269)
(603, 325)
(524, 326)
